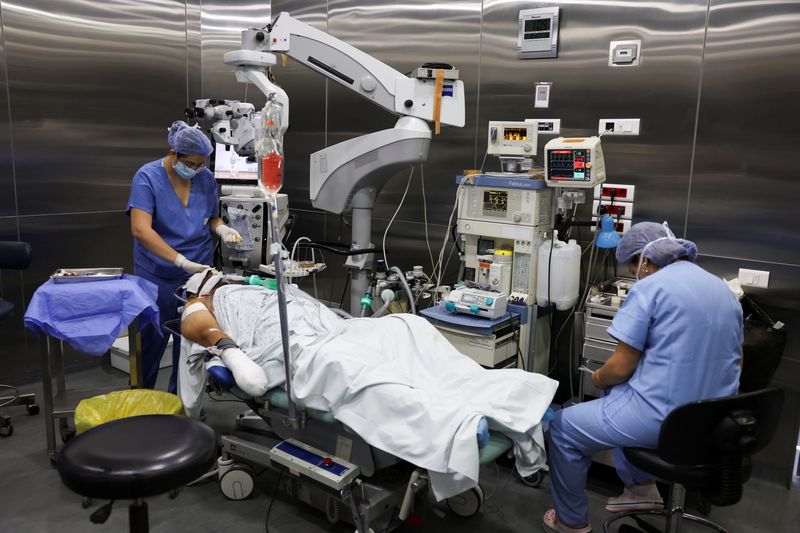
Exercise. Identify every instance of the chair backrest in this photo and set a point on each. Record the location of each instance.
(721, 433)
(15, 254)
(690, 433)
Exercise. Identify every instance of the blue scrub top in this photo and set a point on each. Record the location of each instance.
(184, 228)
(688, 326)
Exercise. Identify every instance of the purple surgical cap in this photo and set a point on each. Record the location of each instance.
(665, 248)
(188, 140)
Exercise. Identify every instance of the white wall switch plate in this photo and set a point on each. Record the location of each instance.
(754, 278)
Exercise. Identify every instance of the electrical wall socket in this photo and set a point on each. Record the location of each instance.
(621, 193)
(622, 226)
(754, 278)
(616, 209)
(548, 126)
(618, 126)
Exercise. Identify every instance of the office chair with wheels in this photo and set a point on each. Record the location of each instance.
(14, 255)
(706, 446)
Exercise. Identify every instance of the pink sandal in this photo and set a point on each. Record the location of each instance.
(553, 525)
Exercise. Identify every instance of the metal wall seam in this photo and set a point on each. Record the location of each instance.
(696, 121)
(10, 125)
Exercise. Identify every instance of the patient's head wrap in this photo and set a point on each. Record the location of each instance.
(656, 242)
(202, 283)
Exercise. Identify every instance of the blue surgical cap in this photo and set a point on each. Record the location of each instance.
(665, 248)
(188, 140)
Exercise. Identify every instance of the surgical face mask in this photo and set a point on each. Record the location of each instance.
(183, 171)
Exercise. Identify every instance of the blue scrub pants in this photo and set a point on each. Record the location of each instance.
(155, 339)
(583, 429)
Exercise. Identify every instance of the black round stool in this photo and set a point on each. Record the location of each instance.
(137, 457)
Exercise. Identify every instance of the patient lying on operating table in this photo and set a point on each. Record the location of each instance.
(396, 381)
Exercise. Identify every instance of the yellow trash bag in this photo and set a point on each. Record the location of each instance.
(92, 412)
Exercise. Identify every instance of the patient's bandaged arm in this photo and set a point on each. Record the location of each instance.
(248, 375)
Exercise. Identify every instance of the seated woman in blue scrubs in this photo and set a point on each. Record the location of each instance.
(174, 208)
(679, 336)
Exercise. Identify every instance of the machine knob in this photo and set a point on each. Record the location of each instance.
(368, 83)
(517, 217)
(474, 309)
(527, 147)
(327, 462)
(257, 239)
(256, 208)
(408, 103)
(467, 227)
(258, 217)
(260, 36)
(450, 306)
(589, 164)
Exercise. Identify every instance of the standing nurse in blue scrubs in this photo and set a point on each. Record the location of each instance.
(679, 337)
(174, 208)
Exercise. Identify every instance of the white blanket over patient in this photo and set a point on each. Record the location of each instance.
(396, 381)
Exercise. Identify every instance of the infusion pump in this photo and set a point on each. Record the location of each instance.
(574, 163)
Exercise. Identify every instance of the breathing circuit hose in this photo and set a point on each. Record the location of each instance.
(402, 277)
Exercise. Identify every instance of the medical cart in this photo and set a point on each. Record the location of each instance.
(60, 404)
(602, 303)
(492, 343)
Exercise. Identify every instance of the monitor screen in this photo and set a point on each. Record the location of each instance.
(231, 167)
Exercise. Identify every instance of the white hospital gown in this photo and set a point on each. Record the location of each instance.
(395, 380)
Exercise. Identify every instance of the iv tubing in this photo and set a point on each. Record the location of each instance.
(283, 312)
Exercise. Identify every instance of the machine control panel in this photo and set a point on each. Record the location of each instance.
(304, 460)
(574, 163)
(529, 207)
(513, 138)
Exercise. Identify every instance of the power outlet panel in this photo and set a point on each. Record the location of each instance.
(548, 126)
(619, 126)
(622, 226)
(615, 209)
(616, 192)
(754, 278)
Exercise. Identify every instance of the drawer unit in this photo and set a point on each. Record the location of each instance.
(589, 391)
(597, 351)
(596, 328)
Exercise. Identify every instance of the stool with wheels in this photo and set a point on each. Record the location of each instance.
(135, 458)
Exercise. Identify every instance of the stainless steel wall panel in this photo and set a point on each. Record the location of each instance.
(221, 27)
(14, 360)
(307, 92)
(745, 188)
(404, 36)
(8, 204)
(93, 87)
(194, 51)
(662, 90)
(780, 301)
